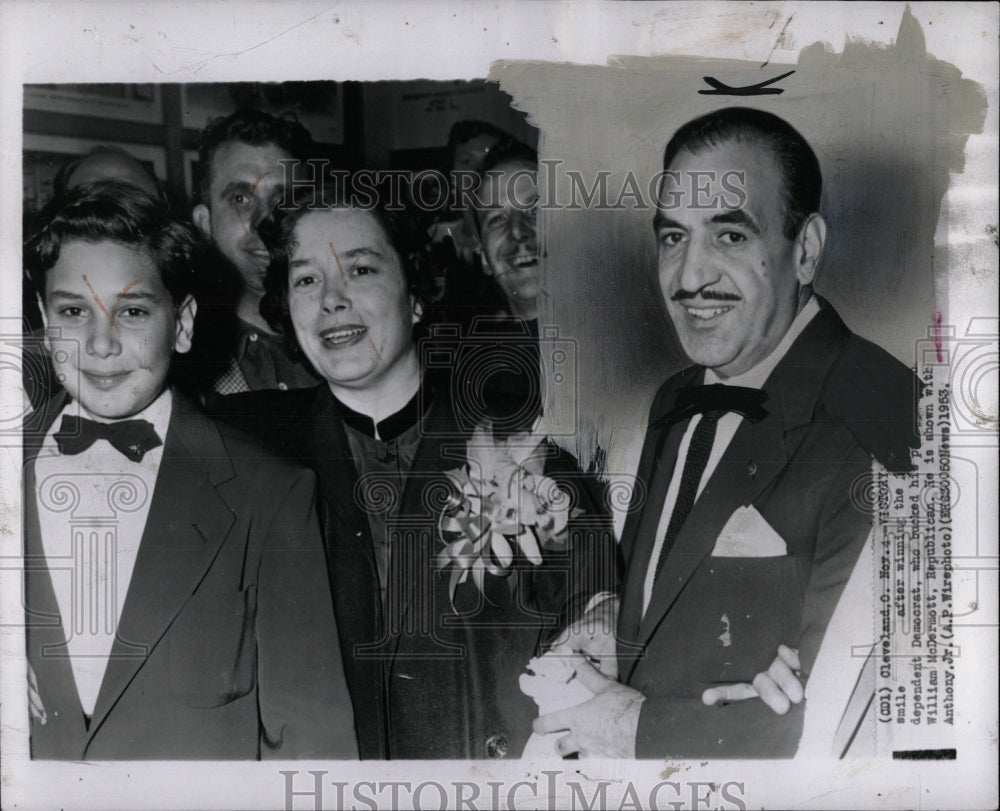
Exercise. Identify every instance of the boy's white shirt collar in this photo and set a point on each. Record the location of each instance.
(157, 412)
(91, 474)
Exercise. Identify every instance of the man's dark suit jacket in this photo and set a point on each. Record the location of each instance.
(429, 681)
(226, 647)
(834, 402)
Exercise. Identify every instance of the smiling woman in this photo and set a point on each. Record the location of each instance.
(432, 662)
(346, 288)
(351, 308)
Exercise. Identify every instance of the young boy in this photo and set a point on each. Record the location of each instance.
(176, 592)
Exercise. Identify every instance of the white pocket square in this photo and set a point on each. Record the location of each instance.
(747, 535)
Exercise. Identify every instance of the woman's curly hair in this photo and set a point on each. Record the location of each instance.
(422, 262)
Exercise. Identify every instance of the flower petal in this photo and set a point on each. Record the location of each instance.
(529, 545)
(457, 576)
(502, 552)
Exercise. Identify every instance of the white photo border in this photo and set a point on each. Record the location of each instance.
(189, 41)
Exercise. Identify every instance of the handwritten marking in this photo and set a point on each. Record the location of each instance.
(239, 216)
(253, 189)
(336, 258)
(198, 66)
(938, 346)
(256, 183)
(779, 41)
(370, 341)
(759, 89)
(118, 298)
(97, 299)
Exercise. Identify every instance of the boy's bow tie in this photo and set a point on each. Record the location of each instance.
(133, 438)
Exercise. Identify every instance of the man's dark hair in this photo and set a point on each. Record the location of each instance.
(802, 182)
(509, 150)
(63, 178)
(112, 210)
(253, 127)
(422, 266)
(463, 131)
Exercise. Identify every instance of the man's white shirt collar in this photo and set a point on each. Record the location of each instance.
(725, 431)
(756, 377)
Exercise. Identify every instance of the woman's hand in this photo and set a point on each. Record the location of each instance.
(593, 635)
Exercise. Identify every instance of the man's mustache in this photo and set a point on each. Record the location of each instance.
(711, 295)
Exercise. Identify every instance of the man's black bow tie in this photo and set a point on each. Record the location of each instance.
(132, 437)
(691, 400)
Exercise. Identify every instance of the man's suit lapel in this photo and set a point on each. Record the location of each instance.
(756, 455)
(656, 467)
(654, 461)
(187, 524)
(63, 734)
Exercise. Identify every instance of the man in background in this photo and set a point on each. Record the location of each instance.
(105, 163)
(506, 221)
(241, 181)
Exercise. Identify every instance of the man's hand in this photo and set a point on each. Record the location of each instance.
(593, 636)
(779, 687)
(605, 726)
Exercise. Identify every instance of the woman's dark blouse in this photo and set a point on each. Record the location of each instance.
(427, 679)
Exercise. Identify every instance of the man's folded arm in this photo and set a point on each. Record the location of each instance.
(746, 729)
(687, 727)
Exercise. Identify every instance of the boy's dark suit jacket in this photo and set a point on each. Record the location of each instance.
(226, 647)
(834, 401)
(427, 682)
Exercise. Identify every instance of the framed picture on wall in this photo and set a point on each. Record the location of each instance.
(318, 105)
(129, 102)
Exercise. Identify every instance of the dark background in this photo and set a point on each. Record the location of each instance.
(377, 125)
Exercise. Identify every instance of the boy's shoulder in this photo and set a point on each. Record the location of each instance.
(218, 447)
(249, 457)
(278, 419)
